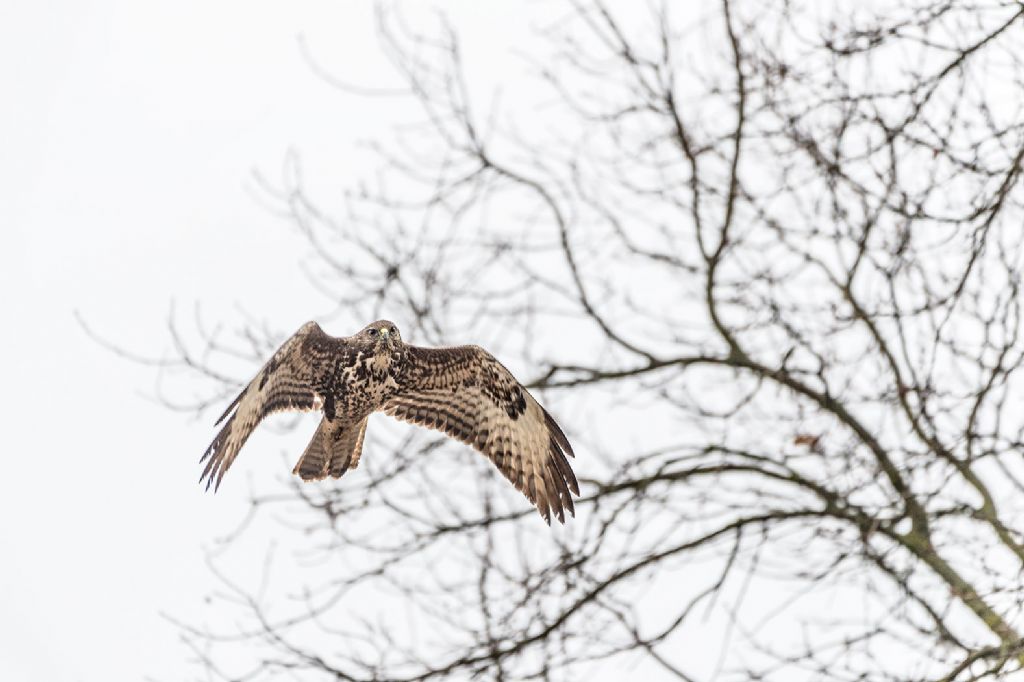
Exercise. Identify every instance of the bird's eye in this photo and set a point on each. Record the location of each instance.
(394, 330)
(371, 332)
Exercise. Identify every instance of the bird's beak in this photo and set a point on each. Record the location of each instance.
(384, 333)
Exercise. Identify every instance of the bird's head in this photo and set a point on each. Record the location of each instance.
(382, 336)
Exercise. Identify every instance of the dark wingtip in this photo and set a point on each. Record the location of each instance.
(232, 406)
(208, 475)
(210, 470)
(562, 466)
(570, 506)
(557, 433)
(206, 454)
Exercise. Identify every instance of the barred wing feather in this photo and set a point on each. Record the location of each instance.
(284, 383)
(466, 393)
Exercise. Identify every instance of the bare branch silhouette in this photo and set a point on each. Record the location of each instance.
(764, 262)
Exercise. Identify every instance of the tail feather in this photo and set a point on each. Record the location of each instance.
(348, 450)
(335, 448)
(312, 463)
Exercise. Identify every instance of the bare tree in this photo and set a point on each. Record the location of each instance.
(764, 263)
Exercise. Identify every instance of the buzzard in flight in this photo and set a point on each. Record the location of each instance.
(463, 391)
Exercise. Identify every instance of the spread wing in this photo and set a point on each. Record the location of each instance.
(465, 392)
(285, 383)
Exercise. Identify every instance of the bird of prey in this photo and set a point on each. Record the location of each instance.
(462, 390)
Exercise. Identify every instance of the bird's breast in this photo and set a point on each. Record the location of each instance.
(362, 383)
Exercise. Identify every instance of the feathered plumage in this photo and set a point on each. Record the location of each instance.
(463, 391)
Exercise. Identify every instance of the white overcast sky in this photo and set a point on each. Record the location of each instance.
(128, 135)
